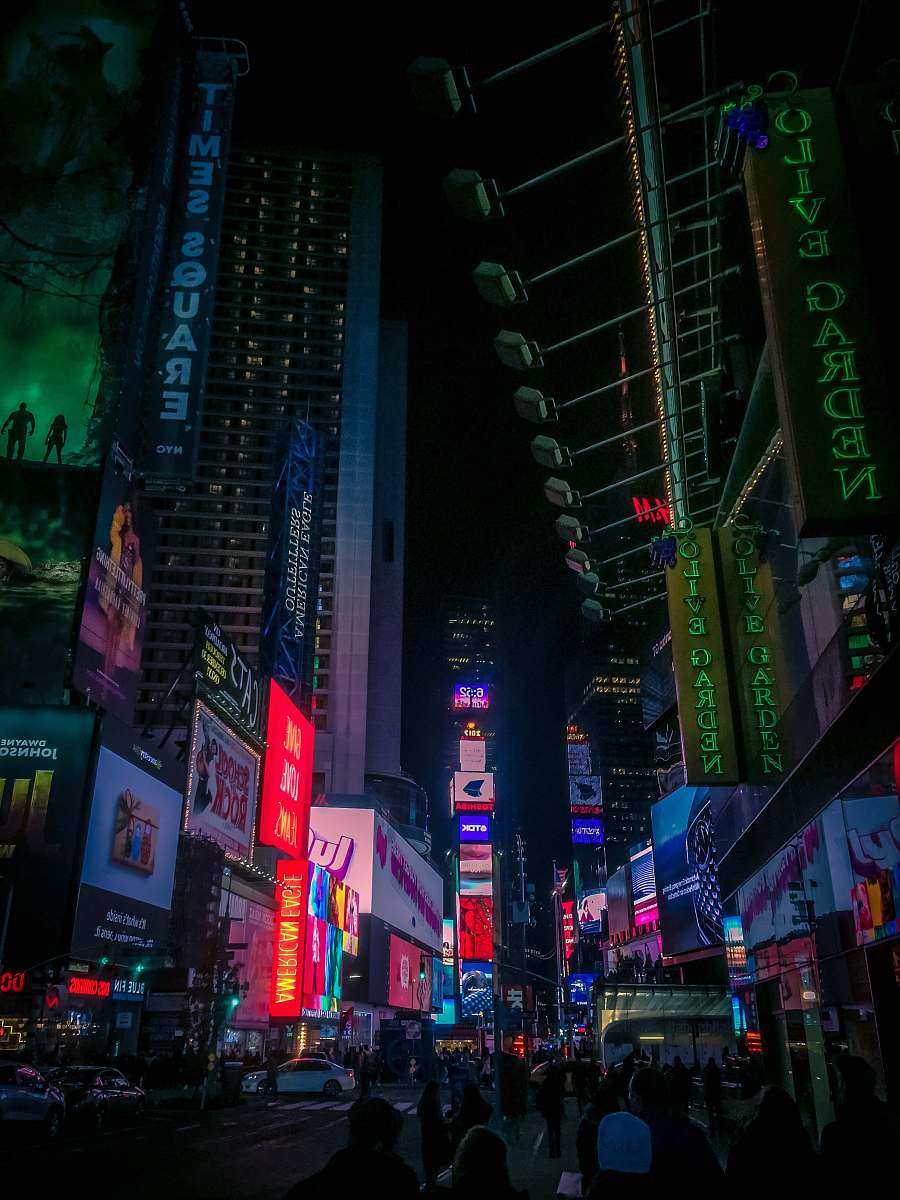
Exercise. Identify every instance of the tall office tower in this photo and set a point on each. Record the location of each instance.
(296, 333)
(603, 698)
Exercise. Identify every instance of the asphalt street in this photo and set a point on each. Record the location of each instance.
(257, 1149)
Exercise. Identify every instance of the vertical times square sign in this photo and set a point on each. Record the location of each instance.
(292, 566)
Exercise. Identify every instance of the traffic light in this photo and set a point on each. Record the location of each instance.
(139, 967)
(422, 975)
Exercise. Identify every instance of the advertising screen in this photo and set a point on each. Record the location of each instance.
(586, 795)
(292, 901)
(472, 754)
(643, 880)
(129, 855)
(687, 879)
(223, 675)
(579, 988)
(46, 527)
(448, 948)
(591, 907)
(287, 779)
(471, 695)
(254, 928)
(570, 936)
(44, 755)
(107, 662)
(437, 985)
(473, 788)
(476, 990)
(221, 785)
(409, 981)
(476, 927)
(587, 831)
(578, 755)
(475, 871)
(473, 828)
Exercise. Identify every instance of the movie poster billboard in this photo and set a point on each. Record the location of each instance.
(44, 755)
(591, 907)
(70, 85)
(46, 526)
(221, 785)
(252, 926)
(686, 871)
(128, 867)
(107, 663)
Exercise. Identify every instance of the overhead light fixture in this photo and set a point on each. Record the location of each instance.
(496, 285)
(516, 351)
(560, 493)
(547, 452)
(437, 87)
(588, 583)
(570, 529)
(577, 560)
(593, 610)
(471, 197)
(534, 406)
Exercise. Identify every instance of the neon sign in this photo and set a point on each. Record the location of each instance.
(654, 510)
(12, 981)
(292, 894)
(471, 695)
(88, 985)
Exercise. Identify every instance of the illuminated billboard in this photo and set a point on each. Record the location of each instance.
(473, 788)
(473, 828)
(475, 870)
(252, 926)
(221, 785)
(477, 992)
(471, 695)
(410, 976)
(292, 902)
(222, 674)
(586, 795)
(686, 871)
(591, 907)
(570, 933)
(476, 927)
(472, 754)
(588, 831)
(287, 779)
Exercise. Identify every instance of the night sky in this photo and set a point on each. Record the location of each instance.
(477, 521)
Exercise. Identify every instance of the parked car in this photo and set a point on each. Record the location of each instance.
(97, 1095)
(539, 1074)
(25, 1095)
(303, 1075)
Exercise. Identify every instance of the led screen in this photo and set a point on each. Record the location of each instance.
(221, 786)
(587, 831)
(687, 878)
(409, 982)
(475, 871)
(471, 695)
(476, 927)
(476, 991)
(473, 828)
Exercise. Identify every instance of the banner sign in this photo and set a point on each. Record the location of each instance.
(287, 779)
(292, 899)
(473, 787)
(224, 676)
(288, 632)
(587, 831)
(107, 664)
(221, 785)
(472, 754)
(585, 795)
(471, 695)
(175, 401)
(698, 653)
(839, 423)
(749, 596)
(474, 829)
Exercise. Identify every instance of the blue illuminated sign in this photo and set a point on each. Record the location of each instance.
(474, 828)
(587, 831)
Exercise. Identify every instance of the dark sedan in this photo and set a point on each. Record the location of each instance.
(98, 1095)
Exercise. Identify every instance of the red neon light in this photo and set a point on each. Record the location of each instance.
(653, 510)
(568, 923)
(287, 781)
(754, 1042)
(474, 806)
(87, 985)
(292, 893)
(12, 981)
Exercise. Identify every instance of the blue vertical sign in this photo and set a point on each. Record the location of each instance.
(288, 634)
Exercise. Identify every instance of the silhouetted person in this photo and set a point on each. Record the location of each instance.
(480, 1167)
(580, 1079)
(604, 1102)
(368, 1166)
(680, 1086)
(56, 438)
(551, 1105)
(474, 1110)
(862, 1121)
(776, 1134)
(681, 1149)
(434, 1133)
(624, 1154)
(712, 1096)
(18, 423)
(272, 1075)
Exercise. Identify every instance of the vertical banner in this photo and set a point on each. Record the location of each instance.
(698, 652)
(107, 663)
(287, 779)
(292, 898)
(839, 425)
(749, 597)
(176, 393)
(221, 785)
(292, 567)
(223, 674)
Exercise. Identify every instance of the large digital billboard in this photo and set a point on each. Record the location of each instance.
(129, 855)
(324, 944)
(44, 755)
(287, 779)
(223, 675)
(687, 877)
(473, 791)
(476, 991)
(292, 909)
(588, 831)
(472, 754)
(475, 871)
(585, 795)
(591, 907)
(252, 929)
(472, 828)
(409, 980)
(221, 785)
(476, 927)
(107, 663)
(471, 695)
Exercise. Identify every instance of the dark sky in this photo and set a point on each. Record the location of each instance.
(477, 521)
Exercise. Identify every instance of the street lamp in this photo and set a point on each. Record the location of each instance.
(472, 197)
(534, 406)
(547, 452)
(560, 493)
(516, 351)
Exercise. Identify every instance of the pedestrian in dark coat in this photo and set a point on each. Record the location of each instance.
(712, 1096)
(434, 1133)
(551, 1105)
(776, 1134)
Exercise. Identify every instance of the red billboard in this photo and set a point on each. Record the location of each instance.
(287, 782)
(292, 897)
(568, 924)
(476, 927)
(409, 984)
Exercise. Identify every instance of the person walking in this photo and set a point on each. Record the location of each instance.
(272, 1074)
(712, 1097)
(551, 1106)
(480, 1167)
(776, 1134)
(680, 1086)
(604, 1101)
(473, 1110)
(434, 1133)
(861, 1120)
(681, 1149)
(624, 1154)
(580, 1083)
(365, 1074)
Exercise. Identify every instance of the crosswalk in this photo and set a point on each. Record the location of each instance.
(320, 1105)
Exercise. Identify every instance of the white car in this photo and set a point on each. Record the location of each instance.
(303, 1075)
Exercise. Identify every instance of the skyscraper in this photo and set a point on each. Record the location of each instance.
(296, 333)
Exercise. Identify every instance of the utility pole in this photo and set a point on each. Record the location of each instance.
(557, 929)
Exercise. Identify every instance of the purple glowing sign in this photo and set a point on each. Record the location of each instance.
(471, 695)
(587, 831)
(474, 828)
